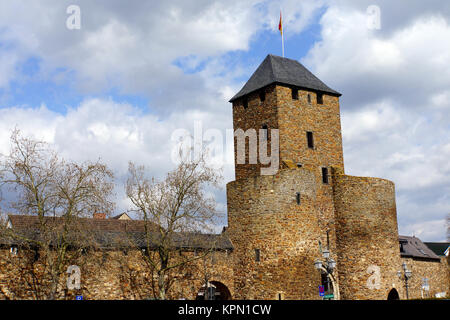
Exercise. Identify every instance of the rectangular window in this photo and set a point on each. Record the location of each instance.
(309, 137)
(294, 94)
(245, 103)
(297, 198)
(262, 96)
(325, 175)
(13, 250)
(309, 98)
(257, 255)
(319, 98)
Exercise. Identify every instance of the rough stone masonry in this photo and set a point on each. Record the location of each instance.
(280, 225)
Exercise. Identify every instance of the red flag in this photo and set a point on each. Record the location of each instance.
(280, 25)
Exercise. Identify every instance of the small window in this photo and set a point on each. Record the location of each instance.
(309, 98)
(257, 255)
(262, 96)
(294, 94)
(297, 198)
(325, 175)
(309, 137)
(104, 256)
(13, 250)
(245, 103)
(319, 98)
(36, 255)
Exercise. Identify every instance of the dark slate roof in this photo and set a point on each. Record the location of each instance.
(438, 248)
(275, 69)
(114, 233)
(414, 248)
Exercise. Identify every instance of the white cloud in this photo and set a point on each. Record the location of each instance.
(395, 80)
(394, 106)
(114, 132)
(426, 231)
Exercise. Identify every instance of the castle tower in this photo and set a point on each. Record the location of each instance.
(278, 222)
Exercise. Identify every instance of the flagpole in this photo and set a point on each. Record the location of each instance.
(282, 43)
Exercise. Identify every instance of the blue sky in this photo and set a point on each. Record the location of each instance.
(135, 72)
(34, 89)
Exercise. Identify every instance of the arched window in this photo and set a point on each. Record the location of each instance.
(393, 295)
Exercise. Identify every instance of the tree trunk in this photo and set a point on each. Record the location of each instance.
(161, 286)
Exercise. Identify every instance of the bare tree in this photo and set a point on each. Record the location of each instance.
(176, 211)
(57, 194)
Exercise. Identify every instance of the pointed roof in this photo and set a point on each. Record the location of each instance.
(414, 248)
(276, 69)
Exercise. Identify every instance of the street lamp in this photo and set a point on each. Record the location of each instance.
(318, 264)
(407, 275)
(331, 265)
(328, 266)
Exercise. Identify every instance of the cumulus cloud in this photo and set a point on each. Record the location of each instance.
(115, 133)
(394, 106)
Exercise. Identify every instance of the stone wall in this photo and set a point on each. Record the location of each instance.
(257, 114)
(367, 237)
(293, 118)
(296, 117)
(263, 214)
(117, 275)
(437, 273)
(259, 212)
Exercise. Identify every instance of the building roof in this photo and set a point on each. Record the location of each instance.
(275, 69)
(414, 248)
(122, 216)
(438, 248)
(113, 233)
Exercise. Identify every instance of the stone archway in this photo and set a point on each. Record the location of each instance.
(393, 295)
(216, 291)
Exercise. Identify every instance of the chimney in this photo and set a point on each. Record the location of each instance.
(99, 215)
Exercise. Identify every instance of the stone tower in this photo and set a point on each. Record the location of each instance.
(280, 223)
